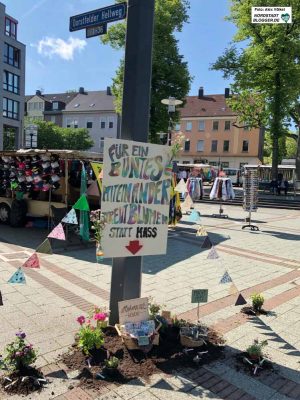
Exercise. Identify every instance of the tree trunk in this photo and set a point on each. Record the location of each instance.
(276, 126)
(297, 173)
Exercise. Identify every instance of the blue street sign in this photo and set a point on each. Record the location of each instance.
(97, 17)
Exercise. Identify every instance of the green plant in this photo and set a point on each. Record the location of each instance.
(256, 349)
(19, 355)
(257, 301)
(112, 362)
(178, 323)
(154, 308)
(90, 337)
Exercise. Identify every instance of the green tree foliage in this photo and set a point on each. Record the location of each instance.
(51, 136)
(170, 75)
(267, 67)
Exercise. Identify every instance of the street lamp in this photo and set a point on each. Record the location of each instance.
(171, 102)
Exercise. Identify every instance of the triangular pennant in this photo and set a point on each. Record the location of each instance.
(45, 247)
(201, 231)
(57, 233)
(226, 278)
(233, 289)
(17, 277)
(82, 204)
(207, 244)
(188, 203)
(240, 300)
(93, 189)
(71, 217)
(32, 262)
(1, 301)
(98, 171)
(194, 216)
(181, 186)
(212, 255)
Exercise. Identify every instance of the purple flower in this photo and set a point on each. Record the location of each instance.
(21, 335)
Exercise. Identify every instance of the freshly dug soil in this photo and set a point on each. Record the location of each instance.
(22, 386)
(249, 310)
(166, 357)
(266, 369)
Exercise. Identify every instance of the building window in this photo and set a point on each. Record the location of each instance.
(101, 144)
(55, 105)
(11, 82)
(53, 119)
(10, 28)
(110, 123)
(102, 123)
(215, 125)
(214, 145)
(10, 108)
(226, 145)
(69, 122)
(177, 127)
(189, 126)
(72, 123)
(41, 105)
(75, 123)
(224, 164)
(212, 163)
(227, 125)
(11, 55)
(201, 126)
(89, 124)
(200, 145)
(187, 144)
(245, 146)
(242, 164)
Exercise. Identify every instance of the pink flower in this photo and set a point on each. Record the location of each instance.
(88, 321)
(81, 319)
(100, 317)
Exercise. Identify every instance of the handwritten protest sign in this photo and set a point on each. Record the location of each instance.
(135, 198)
(133, 310)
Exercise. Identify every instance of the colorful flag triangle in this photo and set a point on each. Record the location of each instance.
(32, 262)
(17, 277)
(212, 255)
(233, 289)
(240, 300)
(201, 231)
(194, 216)
(188, 203)
(207, 244)
(226, 278)
(45, 247)
(71, 217)
(57, 233)
(1, 301)
(82, 204)
(181, 186)
(93, 189)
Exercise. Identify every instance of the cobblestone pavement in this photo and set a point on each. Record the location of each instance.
(70, 282)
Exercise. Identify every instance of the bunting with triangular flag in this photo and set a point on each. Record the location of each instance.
(188, 203)
(181, 186)
(207, 244)
(82, 204)
(212, 255)
(71, 217)
(93, 189)
(1, 301)
(233, 289)
(57, 233)
(45, 247)
(194, 216)
(98, 171)
(32, 262)
(201, 231)
(226, 278)
(240, 300)
(17, 277)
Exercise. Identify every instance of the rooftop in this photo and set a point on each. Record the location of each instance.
(63, 97)
(91, 101)
(213, 105)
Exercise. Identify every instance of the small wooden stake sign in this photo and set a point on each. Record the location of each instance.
(199, 296)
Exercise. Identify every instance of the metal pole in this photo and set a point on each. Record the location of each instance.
(126, 277)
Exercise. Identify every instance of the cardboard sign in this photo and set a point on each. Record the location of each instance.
(133, 310)
(143, 340)
(199, 296)
(135, 198)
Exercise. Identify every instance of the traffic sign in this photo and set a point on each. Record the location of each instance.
(199, 295)
(98, 17)
(96, 31)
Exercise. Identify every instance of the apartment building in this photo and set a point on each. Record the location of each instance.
(95, 111)
(213, 134)
(12, 82)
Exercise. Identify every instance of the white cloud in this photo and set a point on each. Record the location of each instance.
(50, 46)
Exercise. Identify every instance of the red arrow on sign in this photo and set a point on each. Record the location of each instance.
(134, 246)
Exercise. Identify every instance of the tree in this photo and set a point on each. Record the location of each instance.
(269, 65)
(51, 136)
(170, 75)
(295, 115)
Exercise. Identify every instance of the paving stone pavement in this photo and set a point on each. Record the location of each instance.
(70, 283)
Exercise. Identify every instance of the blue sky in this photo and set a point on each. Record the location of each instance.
(58, 60)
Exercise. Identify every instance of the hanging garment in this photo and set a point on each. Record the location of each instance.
(195, 188)
(222, 189)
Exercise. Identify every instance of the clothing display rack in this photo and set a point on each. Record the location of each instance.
(222, 190)
(250, 187)
(195, 188)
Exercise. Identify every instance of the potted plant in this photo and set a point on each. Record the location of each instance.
(89, 338)
(255, 350)
(257, 302)
(111, 366)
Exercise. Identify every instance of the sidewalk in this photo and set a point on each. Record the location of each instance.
(70, 282)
